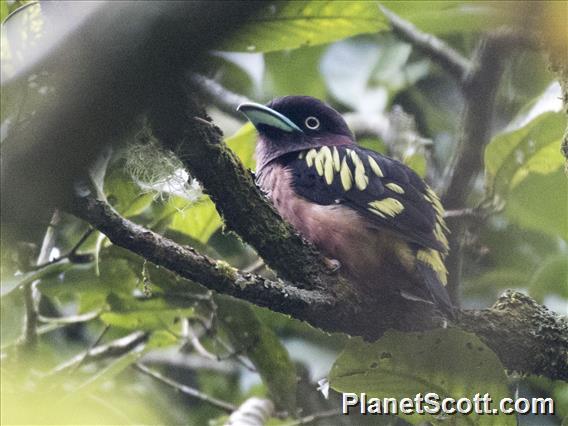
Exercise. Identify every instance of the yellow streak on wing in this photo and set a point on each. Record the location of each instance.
(389, 206)
(433, 258)
(346, 176)
(336, 160)
(433, 198)
(435, 201)
(378, 213)
(361, 179)
(355, 158)
(325, 152)
(441, 236)
(394, 187)
(375, 167)
(318, 161)
(310, 157)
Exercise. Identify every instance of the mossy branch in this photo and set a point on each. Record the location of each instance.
(525, 335)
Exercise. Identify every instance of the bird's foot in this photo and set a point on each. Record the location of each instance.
(333, 264)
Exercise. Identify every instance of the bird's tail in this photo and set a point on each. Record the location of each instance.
(437, 290)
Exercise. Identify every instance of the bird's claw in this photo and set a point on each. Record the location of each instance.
(333, 264)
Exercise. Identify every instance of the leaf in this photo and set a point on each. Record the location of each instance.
(248, 335)
(304, 64)
(150, 314)
(243, 143)
(445, 18)
(449, 362)
(541, 203)
(289, 25)
(417, 162)
(198, 221)
(125, 196)
(511, 157)
(116, 275)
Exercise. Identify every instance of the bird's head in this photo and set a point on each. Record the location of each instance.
(295, 123)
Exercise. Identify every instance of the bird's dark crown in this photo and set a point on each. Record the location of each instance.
(295, 123)
(299, 109)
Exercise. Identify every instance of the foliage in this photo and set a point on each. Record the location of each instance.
(398, 365)
(344, 53)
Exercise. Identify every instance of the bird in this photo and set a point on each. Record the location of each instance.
(370, 215)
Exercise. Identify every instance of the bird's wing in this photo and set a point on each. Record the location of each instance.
(383, 190)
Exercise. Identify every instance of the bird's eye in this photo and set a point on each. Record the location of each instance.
(312, 123)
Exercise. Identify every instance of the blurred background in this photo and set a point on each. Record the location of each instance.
(100, 315)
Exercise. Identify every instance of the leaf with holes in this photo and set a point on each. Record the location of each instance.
(449, 362)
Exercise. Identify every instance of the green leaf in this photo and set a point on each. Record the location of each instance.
(248, 335)
(541, 203)
(199, 221)
(449, 362)
(448, 17)
(125, 196)
(289, 25)
(243, 143)
(417, 162)
(151, 314)
(116, 276)
(4, 10)
(534, 148)
(304, 64)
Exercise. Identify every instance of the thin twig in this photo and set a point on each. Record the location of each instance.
(71, 255)
(231, 355)
(449, 59)
(314, 417)
(218, 95)
(112, 349)
(81, 358)
(186, 390)
(73, 319)
(31, 295)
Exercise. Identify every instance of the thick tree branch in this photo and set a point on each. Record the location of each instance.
(218, 276)
(526, 336)
(532, 339)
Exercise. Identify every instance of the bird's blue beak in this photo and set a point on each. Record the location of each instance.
(260, 115)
